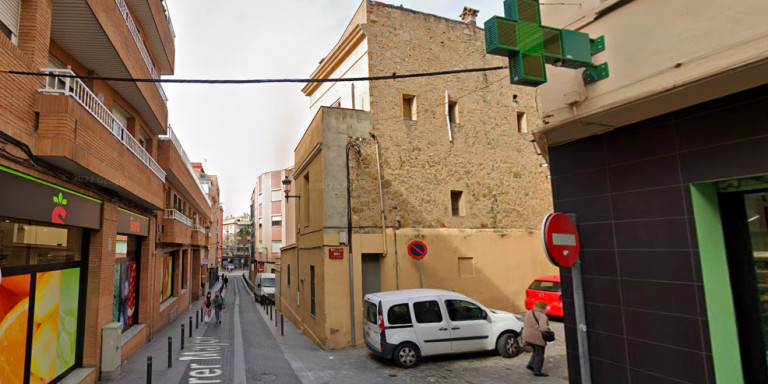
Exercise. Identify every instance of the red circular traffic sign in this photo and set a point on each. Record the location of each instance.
(417, 249)
(261, 269)
(561, 240)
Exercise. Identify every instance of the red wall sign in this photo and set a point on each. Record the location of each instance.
(336, 253)
(417, 249)
(561, 240)
(261, 269)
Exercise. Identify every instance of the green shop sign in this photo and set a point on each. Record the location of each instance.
(26, 197)
(529, 45)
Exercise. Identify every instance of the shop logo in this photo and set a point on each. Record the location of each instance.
(59, 212)
(135, 225)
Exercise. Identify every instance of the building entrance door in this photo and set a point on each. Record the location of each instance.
(371, 273)
(745, 228)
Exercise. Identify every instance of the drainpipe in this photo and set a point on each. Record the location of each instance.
(397, 266)
(351, 146)
(381, 198)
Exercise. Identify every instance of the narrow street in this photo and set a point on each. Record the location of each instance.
(247, 348)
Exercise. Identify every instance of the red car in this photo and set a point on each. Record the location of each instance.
(548, 290)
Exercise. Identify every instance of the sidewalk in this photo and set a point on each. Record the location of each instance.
(134, 369)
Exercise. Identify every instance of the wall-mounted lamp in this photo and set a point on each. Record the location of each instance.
(287, 189)
(544, 165)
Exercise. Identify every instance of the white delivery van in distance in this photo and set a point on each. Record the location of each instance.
(265, 288)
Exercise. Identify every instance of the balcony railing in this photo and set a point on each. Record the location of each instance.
(176, 143)
(77, 89)
(140, 43)
(168, 18)
(178, 216)
(198, 228)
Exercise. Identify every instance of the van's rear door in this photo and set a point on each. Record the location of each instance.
(371, 312)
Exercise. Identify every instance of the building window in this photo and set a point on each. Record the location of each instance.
(457, 203)
(522, 122)
(10, 11)
(409, 107)
(126, 287)
(276, 245)
(289, 275)
(277, 221)
(305, 197)
(277, 194)
(166, 287)
(312, 290)
(453, 112)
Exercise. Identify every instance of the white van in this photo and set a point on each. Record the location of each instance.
(265, 288)
(409, 324)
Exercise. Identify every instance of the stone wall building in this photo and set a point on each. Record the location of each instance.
(446, 160)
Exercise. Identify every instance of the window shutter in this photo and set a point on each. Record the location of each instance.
(9, 14)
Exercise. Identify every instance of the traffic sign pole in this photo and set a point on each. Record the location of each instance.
(421, 277)
(581, 323)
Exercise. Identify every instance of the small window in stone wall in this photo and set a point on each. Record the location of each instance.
(457, 203)
(453, 112)
(522, 122)
(409, 107)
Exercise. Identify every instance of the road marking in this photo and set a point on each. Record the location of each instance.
(239, 353)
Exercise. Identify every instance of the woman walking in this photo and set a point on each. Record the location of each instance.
(218, 305)
(208, 307)
(536, 332)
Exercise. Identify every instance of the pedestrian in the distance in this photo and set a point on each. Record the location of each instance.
(226, 280)
(218, 305)
(202, 288)
(207, 307)
(536, 333)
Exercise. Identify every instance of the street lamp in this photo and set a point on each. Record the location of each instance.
(287, 188)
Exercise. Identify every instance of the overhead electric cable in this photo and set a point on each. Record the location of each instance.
(393, 76)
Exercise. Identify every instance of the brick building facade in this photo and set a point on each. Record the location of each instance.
(102, 217)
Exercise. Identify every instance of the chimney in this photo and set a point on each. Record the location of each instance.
(469, 15)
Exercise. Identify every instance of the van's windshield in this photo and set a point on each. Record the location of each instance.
(268, 282)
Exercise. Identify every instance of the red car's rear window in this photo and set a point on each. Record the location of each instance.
(546, 286)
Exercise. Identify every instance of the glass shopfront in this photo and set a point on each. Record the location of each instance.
(40, 300)
(44, 232)
(126, 285)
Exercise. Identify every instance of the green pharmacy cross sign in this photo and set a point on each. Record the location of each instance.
(529, 45)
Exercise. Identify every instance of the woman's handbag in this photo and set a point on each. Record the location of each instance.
(548, 335)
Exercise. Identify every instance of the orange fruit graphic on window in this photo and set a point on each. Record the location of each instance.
(13, 338)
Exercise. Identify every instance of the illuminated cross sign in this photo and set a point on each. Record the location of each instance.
(529, 45)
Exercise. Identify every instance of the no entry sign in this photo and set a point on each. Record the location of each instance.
(261, 269)
(417, 250)
(561, 240)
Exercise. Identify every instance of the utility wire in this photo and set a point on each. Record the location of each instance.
(393, 76)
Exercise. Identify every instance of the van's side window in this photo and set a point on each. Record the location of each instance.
(460, 310)
(399, 314)
(427, 312)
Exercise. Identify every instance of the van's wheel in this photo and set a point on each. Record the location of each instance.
(406, 355)
(508, 345)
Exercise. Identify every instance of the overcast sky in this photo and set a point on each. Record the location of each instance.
(242, 131)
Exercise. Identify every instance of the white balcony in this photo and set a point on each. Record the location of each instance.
(140, 44)
(178, 216)
(177, 144)
(80, 92)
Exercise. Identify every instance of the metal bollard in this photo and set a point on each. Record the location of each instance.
(275, 320)
(170, 352)
(190, 326)
(270, 312)
(149, 369)
(182, 336)
(282, 329)
(197, 320)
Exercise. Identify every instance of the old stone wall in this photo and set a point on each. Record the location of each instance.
(494, 165)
